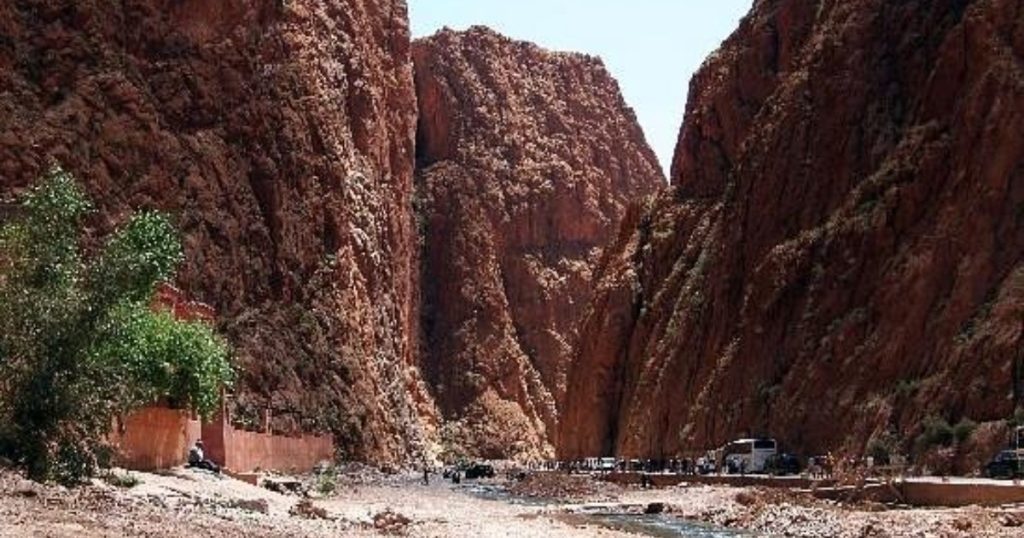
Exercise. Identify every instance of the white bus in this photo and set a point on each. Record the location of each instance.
(748, 455)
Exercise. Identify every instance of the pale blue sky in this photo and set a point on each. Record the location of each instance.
(652, 47)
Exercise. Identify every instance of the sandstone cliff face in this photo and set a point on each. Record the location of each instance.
(527, 162)
(841, 254)
(280, 136)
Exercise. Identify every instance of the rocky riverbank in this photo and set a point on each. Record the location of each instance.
(363, 503)
(773, 512)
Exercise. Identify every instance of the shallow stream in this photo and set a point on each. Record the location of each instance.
(612, 517)
(661, 526)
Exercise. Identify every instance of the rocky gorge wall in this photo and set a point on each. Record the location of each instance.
(840, 255)
(527, 161)
(396, 234)
(280, 138)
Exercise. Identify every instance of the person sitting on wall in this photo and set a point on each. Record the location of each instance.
(197, 459)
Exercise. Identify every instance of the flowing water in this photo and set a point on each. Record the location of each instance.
(661, 526)
(611, 517)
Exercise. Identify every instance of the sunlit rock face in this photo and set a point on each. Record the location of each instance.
(527, 161)
(280, 138)
(840, 254)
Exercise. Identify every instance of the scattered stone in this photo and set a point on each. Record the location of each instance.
(1011, 520)
(252, 505)
(746, 498)
(962, 524)
(305, 508)
(654, 508)
(284, 486)
(390, 522)
(27, 488)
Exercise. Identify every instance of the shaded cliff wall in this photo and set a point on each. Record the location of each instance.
(527, 160)
(840, 255)
(279, 136)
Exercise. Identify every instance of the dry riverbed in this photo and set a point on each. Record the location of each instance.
(185, 503)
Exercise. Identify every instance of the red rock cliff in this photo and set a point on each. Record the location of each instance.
(841, 254)
(280, 136)
(527, 162)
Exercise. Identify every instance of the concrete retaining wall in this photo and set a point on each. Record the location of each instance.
(914, 492)
(961, 494)
(668, 480)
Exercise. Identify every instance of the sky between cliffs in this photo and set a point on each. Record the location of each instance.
(652, 47)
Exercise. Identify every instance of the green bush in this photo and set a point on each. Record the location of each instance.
(881, 448)
(79, 342)
(327, 481)
(964, 429)
(936, 432)
(121, 480)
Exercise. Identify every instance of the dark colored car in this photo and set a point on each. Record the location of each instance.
(1006, 464)
(479, 470)
(783, 464)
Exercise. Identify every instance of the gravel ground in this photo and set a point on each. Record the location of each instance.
(782, 513)
(186, 503)
(194, 503)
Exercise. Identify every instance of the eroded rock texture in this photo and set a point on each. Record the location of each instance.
(280, 137)
(527, 162)
(841, 253)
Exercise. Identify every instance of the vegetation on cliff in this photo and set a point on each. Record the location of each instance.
(79, 341)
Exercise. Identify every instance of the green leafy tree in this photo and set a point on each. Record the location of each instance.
(79, 342)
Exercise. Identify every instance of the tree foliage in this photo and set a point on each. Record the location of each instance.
(79, 342)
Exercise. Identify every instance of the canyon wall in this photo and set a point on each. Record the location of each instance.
(280, 138)
(840, 254)
(527, 161)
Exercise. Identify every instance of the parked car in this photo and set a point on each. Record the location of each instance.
(783, 464)
(1006, 464)
(479, 470)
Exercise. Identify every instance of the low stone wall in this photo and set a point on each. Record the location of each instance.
(960, 494)
(154, 438)
(668, 480)
(914, 492)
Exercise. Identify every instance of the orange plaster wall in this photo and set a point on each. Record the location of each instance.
(159, 438)
(155, 438)
(244, 451)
